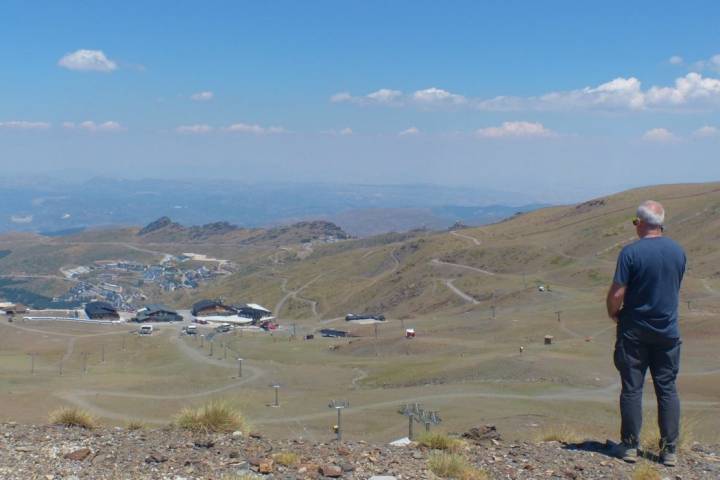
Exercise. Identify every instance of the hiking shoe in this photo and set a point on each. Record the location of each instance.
(626, 452)
(668, 457)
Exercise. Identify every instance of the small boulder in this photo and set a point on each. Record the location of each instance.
(78, 455)
(332, 471)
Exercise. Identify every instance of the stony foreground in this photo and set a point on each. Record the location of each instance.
(50, 452)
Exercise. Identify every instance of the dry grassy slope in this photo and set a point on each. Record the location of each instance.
(571, 247)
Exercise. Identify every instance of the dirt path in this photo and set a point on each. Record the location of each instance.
(362, 375)
(467, 237)
(76, 397)
(438, 262)
(62, 334)
(460, 293)
(604, 394)
(295, 294)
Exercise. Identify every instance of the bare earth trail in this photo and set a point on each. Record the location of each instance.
(460, 293)
(76, 396)
(438, 262)
(474, 240)
(61, 334)
(604, 395)
(295, 294)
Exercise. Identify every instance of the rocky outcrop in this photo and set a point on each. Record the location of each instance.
(159, 224)
(167, 453)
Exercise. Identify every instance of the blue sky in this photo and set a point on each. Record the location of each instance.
(563, 99)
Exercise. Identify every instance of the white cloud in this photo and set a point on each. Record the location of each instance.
(712, 63)
(659, 135)
(384, 96)
(346, 131)
(199, 128)
(341, 97)
(90, 126)
(692, 89)
(676, 60)
(22, 219)
(202, 96)
(254, 129)
(437, 96)
(517, 130)
(690, 92)
(87, 60)
(24, 125)
(706, 132)
(409, 131)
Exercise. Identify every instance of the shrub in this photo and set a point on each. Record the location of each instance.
(133, 425)
(560, 433)
(214, 416)
(73, 417)
(440, 441)
(645, 471)
(287, 459)
(452, 465)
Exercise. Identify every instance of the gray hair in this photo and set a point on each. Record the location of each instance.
(652, 213)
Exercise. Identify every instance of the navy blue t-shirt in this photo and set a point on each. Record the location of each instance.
(652, 269)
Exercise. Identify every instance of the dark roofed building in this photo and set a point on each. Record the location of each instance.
(211, 307)
(157, 313)
(101, 311)
(253, 310)
(16, 309)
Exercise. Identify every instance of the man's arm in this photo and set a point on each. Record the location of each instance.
(614, 301)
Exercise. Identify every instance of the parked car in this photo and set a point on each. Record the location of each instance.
(201, 321)
(223, 327)
(146, 330)
(191, 330)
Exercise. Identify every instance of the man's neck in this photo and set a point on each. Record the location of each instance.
(653, 233)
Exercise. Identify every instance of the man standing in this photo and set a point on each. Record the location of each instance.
(643, 301)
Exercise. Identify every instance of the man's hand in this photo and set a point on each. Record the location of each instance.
(614, 301)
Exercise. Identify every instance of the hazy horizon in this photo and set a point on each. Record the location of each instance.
(564, 102)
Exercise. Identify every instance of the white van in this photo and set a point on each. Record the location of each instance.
(146, 330)
(191, 330)
(223, 327)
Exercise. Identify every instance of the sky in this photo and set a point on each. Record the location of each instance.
(562, 99)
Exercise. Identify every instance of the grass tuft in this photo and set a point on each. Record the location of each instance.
(133, 425)
(214, 416)
(440, 441)
(73, 417)
(645, 471)
(650, 436)
(287, 459)
(562, 433)
(452, 465)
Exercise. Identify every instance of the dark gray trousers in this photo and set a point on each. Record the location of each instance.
(635, 352)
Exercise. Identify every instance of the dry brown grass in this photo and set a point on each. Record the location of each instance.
(287, 459)
(645, 471)
(562, 433)
(133, 425)
(440, 441)
(214, 416)
(452, 465)
(73, 417)
(650, 435)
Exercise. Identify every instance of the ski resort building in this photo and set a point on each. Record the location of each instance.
(157, 313)
(101, 311)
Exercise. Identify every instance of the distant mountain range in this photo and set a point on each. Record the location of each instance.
(56, 209)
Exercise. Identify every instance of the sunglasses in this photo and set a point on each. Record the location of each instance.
(636, 221)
